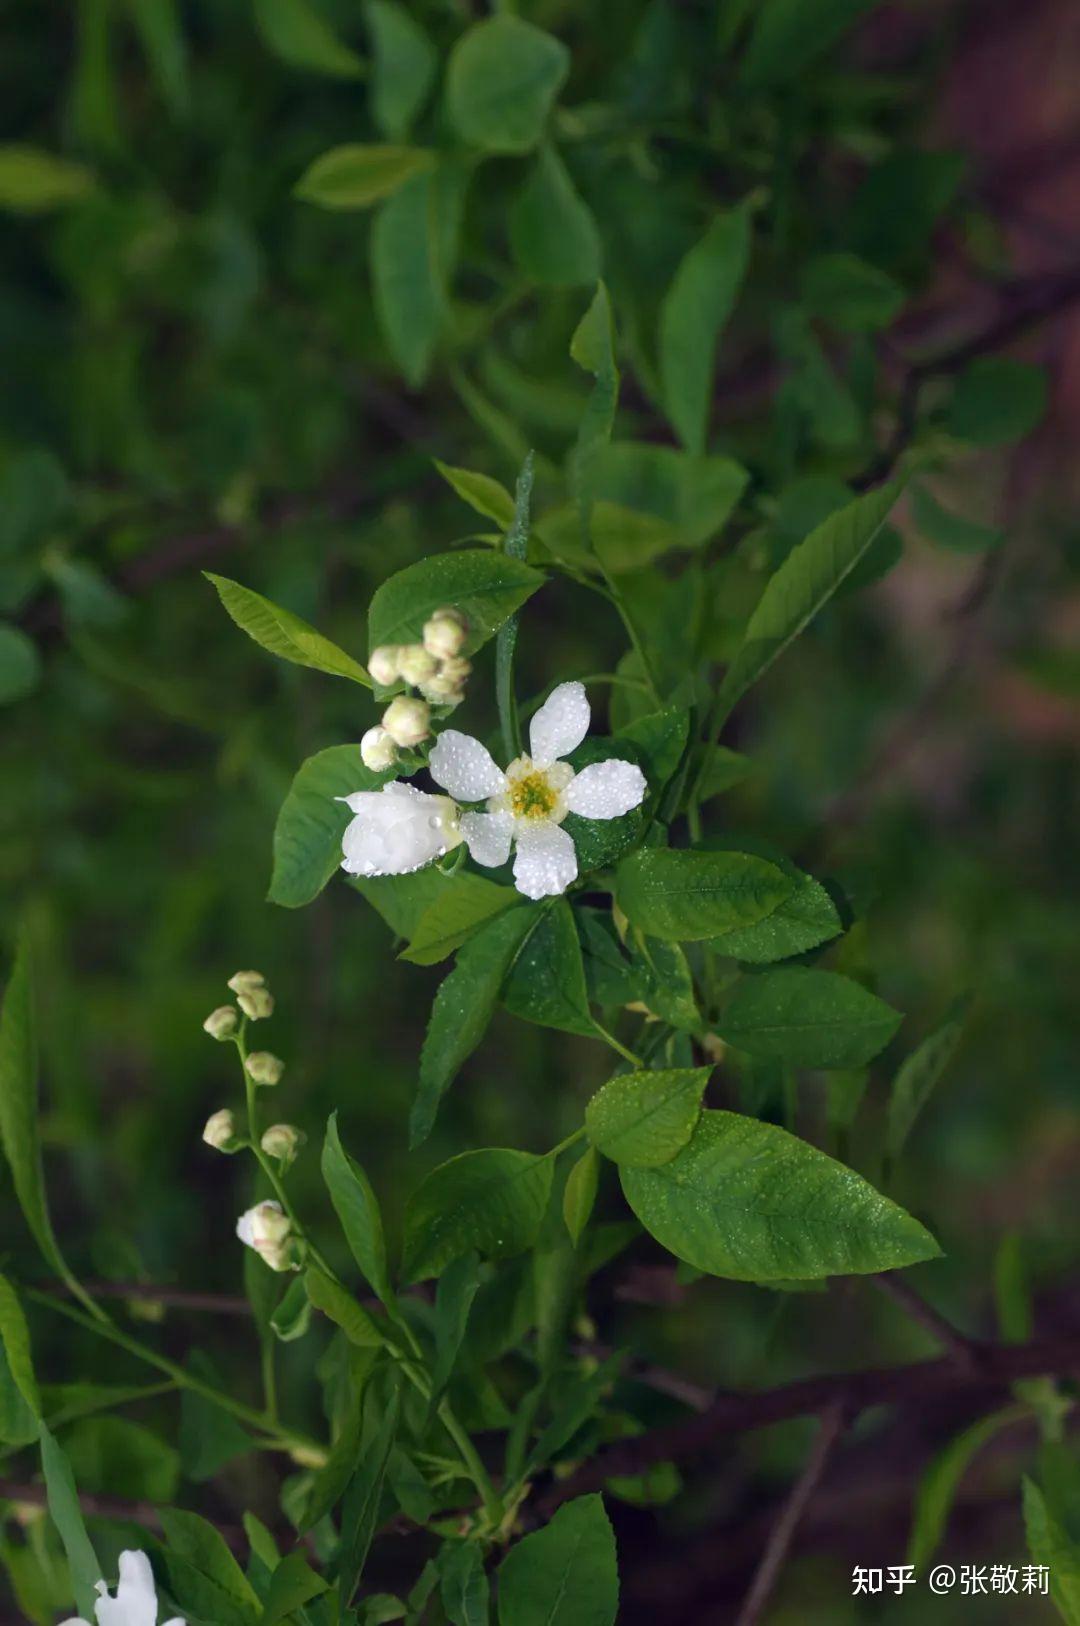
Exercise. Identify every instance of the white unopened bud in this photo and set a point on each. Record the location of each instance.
(241, 981)
(416, 665)
(377, 750)
(282, 1141)
(447, 687)
(264, 1068)
(222, 1023)
(220, 1131)
(268, 1230)
(383, 664)
(406, 720)
(256, 1002)
(445, 634)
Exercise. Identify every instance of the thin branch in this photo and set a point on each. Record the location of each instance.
(112, 1507)
(966, 1351)
(174, 1297)
(791, 1514)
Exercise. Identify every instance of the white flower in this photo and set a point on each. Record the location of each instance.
(267, 1229)
(377, 750)
(397, 829)
(528, 803)
(135, 1603)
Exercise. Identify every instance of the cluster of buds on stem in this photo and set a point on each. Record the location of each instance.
(435, 667)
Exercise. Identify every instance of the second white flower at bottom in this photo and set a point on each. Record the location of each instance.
(527, 804)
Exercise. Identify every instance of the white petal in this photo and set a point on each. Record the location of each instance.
(561, 724)
(363, 799)
(75, 1620)
(245, 1227)
(464, 767)
(603, 790)
(135, 1603)
(545, 862)
(487, 836)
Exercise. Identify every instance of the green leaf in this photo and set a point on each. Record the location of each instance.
(312, 821)
(295, 31)
(209, 1437)
(650, 499)
(357, 1208)
(565, 1574)
(291, 1316)
(788, 35)
(283, 633)
(666, 983)
(292, 1584)
(457, 1287)
(157, 22)
(402, 899)
(360, 1513)
(355, 176)
(748, 1201)
(579, 1193)
(405, 65)
(805, 581)
(331, 1298)
(850, 293)
(20, 664)
(412, 243)
(15, 1337)
(501, 81)
(552, 231)
(642, 1119)
(330, 1482)
(939, 524)
(489, 497)
(941, 1481)
(466, 905)
(803, 920)
(807, 1018)
(659, 739)
(492, 1200)
(66, 1515)
(686, 896)
(919, 1076)
(463, 1008)
(692, 317)
(18, 1423)
(1050, 1545)
(593, 348)
(486, 587)
(997, 400)
(546, 981)
(19, 1108)
(33, 181)
(201, 1545)
(114, 1454)
(464, 1586)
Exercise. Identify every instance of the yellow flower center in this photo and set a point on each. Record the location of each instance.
(532, 796)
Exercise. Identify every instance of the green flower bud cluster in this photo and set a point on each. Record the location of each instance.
(436, 667)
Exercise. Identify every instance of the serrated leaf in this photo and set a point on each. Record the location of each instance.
(501, 81)
(552, 230)
(748, 1201)
(355, 176)
(202, 1545)
(486, 587)
(404, 69)
(579, 1193)
(402, 899)
(683, 896)
(357, 1209)
(805, 581)
(295, 31)
(492, 1200)
(312, 821)
(463, 1008)
(283, 633)
(489, 497)
(919, 1076)
(692, 316)
(643, 1118)
(565, 1574)
(546, 981)
(459, 911)
(807, 1018)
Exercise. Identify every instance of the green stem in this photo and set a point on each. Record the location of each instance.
(515, 546)
(571, 1140)
(617, 1045)
(616, 597)
(282, 1439)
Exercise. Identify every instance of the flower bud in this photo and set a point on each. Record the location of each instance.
(383, 664)
(242, 981)
(268, 1230)
(222, 1023)
(377, 750)
(256, 1002)
(406, 720)
(282, 1141)
(264, 1068)
(416, 665)
(445, 634)
(447, 687)
(220, 1131)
